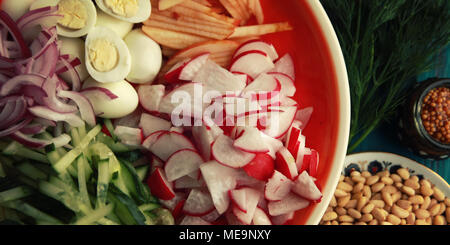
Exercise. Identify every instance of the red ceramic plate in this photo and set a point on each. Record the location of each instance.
(321, 80)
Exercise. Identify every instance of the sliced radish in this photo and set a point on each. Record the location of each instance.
(191, 68)
(280, 121)
(225, 153)
(301, 150)
(156, 162)
(289, 203)
(277, 187)
(203, 140)
(285, 163)
(235, 106)
(253, 63)
(232, 219)
(168, 143)
(261, 167)
(305, 187)
(257, 44)
(130, 120)
(304, 115)
(184, 101)
(313, 163)
(251, 201)
(129, 136)
(193, 220)
(211, 216)
(262, 88)
(244, 77)
(150, 96)
(152, 138)
(287, 101)
(174, 202)
(181, 163)
(238, 198)
(251, 141)
(198, 203)
(217, 79)
(282, 219)
(219, 179)
(287, 83)
(293, 136)
(261, 217)
(285, 65)
(274, 144)
(187, 182)
(159, 185)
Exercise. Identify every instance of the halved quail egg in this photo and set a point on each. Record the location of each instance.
(134, 11)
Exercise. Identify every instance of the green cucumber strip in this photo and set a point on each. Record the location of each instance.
(106, 221)
(149, 207)
(110, 127)
(16, 149)
(102, 182)
(142, 171)
(116, 147)
(82, 185)
(58, 194)
(70, 157)
(95, 215)
(75, 137)
(31, 171)
(125, 208)
(31, 211)
(14, 194)
(164, 216)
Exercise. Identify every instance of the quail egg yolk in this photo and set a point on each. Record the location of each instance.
(103, 55)
(125, 8)
(74, 14)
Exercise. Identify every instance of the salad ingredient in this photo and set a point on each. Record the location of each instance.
(78, 16)
(186, 70)
(251, 63)
(151, 124)
(172, 39)
(434, 114)
(225, 153)
(357, 202)
(133, 11)
(124, 102)
(257, 44)
(146, 57)
(198, 203)
(160, 186)
(150, 96)
(165, 4)
(119, 26)
(108, 58)
(75, 48)
(169, 142)
(261, 167)
(381, 67)
(181, 163)
(16, 9)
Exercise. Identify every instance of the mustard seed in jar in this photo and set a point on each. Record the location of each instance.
(435, 114)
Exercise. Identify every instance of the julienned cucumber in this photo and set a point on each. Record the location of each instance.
(93, 184)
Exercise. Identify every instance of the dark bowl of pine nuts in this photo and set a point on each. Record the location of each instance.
(424, 120)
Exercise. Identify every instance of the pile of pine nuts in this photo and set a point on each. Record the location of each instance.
(387, 199)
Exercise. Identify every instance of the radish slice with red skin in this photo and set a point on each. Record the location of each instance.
(261, 167)
(84, 106)
(225, 153)
(253, 63)
(211, 217)
(187, 182)
(263, 87)
(287, 84)
(282, 219)
(172, 76)
(313, 163)
(305, 187)
(257, 44)
(150, 96)
(198, 203)
(285, 163)
(129, 136)
(285, 65)
(274, 145)
(151, 124)
(251, 201)
(293, 136)
(182, 163)
(238, 198)
(219, 179)
(291, 202)
(250, 141)
(159, 185)
(217, 79)
(261, 217)
(232, 219)
(191, 68)
(280, 121)
(193, 220)
(203, 140)
(174, 202)
(277, 187)
(184, 101)
(168, 143)
(152, 138)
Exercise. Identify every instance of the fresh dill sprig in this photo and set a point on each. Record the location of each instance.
(386, 44)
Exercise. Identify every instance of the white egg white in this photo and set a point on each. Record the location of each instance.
(68, 32)
(119, 26)
(123, 65)
(16, 8)
(143, 12)
(146, 57)
(104, 107)
(74, 47)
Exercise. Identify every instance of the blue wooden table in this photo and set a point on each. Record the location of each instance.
(384, 138)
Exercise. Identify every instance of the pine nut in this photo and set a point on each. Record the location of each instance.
(366, 217)
(333, 202)
(384, 173)
(379, 214)
(377, 203)
(413, 184)
(424, 182)
(361, 203)
(404, 173)
(366, 174)
(329, 216)
(366, 191)
(342, 201)
(438, 194)
(426, 202)
(439, 220)
(426, 190)
(360, 223)
(377, 186)
(405, 204)
(399, 212)
(411, 219)
(387, 198)
(340, 193)
(420, 222)
(389, 189)
(368, 208)
(447, 202)
(387, 180)
(396, 196)
(355, 173)
(447, 214)
(351, 204)
(358, 179)
(358, 187)
(393, 219)
(408, 190)
(442, 208)
(340, 211)
(372, 180)
(354, 213)
(334, 222)
(386, 223)
(422, 213)
(346, 223)
(416, 199)
(434, 210)
(346, 218)
(396, 178)
(373, 222)
(345, 186)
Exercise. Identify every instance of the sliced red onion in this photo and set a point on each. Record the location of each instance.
(28, 140)
(99, 91)
(73, 61)
(17, 81)
(74, 77)
(33, 128)
(13, 112)
(13, 129)
(52, 101)
(47, 62)
(84, 105)
(44, 112)
(37, 94)
(6, 63)
(11, 26)
(45, 122)
(37, 16)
